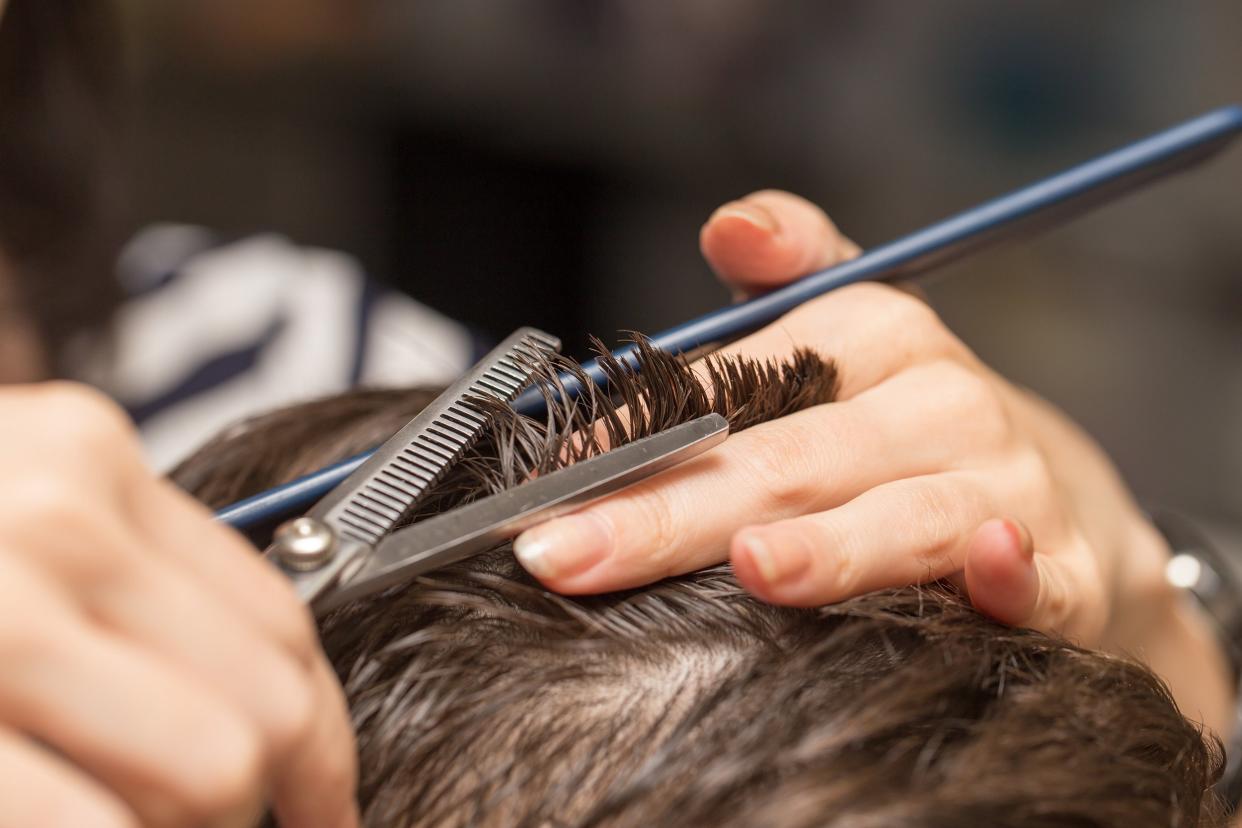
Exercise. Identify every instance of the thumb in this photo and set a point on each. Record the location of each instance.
(770, 238)
(1001, 577)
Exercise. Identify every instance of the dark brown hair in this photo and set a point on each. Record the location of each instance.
(482, 699)
(59, 204)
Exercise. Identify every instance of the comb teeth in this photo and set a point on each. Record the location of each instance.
(393, 482)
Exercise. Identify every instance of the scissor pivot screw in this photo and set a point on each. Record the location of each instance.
(304, 543)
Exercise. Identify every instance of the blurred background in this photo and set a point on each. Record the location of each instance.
(549, 162)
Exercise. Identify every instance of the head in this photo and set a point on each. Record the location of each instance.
(58, 74)
(481, 699)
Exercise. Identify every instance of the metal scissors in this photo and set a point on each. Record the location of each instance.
(345, 547)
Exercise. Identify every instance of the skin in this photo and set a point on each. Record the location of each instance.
(930, 465)
(156, 670)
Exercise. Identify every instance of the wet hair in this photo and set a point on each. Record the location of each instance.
(480, 698)
(59, 208)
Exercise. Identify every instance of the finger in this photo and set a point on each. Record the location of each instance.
(180, 529)
(314, 759)
(294, 703)
(1056, 593)
(906, 532)
(85, 422)
(770, 238)
(805, 462)
(1001, 578)
(316, 772)
(184, 625)
(290, 701)
(1071, 600)
(110, 709)
(39, 788)
(146, 599)
(316, 785)
(872, 330)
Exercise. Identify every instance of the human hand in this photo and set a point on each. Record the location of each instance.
(155, 671)
(902, 481)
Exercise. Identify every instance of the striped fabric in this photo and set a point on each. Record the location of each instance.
(216, 332)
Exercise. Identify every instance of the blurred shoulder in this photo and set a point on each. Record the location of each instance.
(216, 330)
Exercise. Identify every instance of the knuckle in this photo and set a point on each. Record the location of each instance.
(966, 388)
(286, 619)
(228, 777)
(299, 633)
(776, 472)
(912, 321)
(861, 300)
(338, 769)
(935, 512)
(898, 309)
(80, 414)
(1035, 487)
(653, 515)
(291, 623)
(974, 403)
(872, 294)
(21, 643)
(45, 499)
(1054, 608)
(1085, 615)
(1032, 467)
(49, 524)
(838, 551)
(890, 314)
(907, 309)
(1072, 598)
(293, 723)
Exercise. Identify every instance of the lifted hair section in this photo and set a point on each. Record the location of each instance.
(655, 393)
(659, 391)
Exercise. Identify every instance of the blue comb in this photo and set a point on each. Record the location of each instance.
(1023, 212)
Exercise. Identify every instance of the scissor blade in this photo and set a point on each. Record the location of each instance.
(362, 510)
(367, 505)
(476, 527)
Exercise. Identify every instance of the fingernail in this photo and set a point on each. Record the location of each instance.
(775, 566)
(1018, 535)
(754, 214)
(564, 547)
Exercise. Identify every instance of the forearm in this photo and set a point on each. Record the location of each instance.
(1184, 652)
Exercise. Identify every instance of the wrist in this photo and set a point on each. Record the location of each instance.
(1162, 625)
(1143, 602)
(1187, 653)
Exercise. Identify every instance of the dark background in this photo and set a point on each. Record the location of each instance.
(549, 162)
